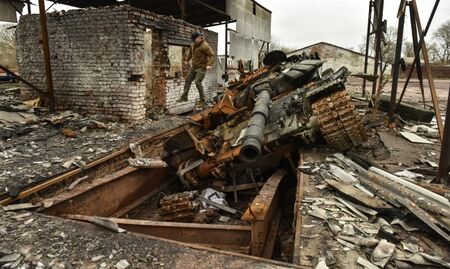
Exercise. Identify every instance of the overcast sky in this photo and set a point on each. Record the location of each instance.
(299, 23)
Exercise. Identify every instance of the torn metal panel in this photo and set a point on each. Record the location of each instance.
(9, 9)
(252, 19)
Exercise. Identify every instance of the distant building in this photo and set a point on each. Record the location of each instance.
(335, 57)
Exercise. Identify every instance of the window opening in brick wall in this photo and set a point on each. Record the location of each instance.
(178, 61)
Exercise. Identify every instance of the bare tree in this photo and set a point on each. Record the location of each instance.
(276, 44)
(8, 47)
(408, 49)
(441, 40)
(433, 52)
(389, 40)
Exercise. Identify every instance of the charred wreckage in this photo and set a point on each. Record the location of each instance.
(174, 185)
(259, 122)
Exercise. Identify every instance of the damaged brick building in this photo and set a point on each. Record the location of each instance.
(119, 60)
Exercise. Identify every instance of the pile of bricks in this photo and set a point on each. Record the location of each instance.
(97, 58)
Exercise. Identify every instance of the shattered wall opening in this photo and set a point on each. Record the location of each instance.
(112, 60)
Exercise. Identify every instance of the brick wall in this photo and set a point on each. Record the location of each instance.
(438, 71)
(97, 58)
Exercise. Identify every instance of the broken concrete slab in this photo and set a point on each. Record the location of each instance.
(415, 138)
(383, 253)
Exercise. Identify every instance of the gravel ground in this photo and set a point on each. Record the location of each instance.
(46, 242)
(41, 153)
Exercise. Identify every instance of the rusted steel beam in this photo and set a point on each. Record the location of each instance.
(398, 52)
(419, 45)
(23, 80)
(429, 74)
(107, 164)
(110, 194)
(416, 48)
(261, 212)
(378, 12)
(444, 160)
(298, 214)
(230, 237)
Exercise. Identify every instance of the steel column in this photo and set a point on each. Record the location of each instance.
(226, 52)
(422, 40)
(378, 34)
(46, 50)
(366, 56)
(444, 160)
(416, 48)
(29, 6)
(398, 52)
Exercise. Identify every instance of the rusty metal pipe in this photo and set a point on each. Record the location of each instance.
(254, 135)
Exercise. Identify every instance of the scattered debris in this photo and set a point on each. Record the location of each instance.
(105, 223)
(76, 182)
(210, 197)
(366, 263)
(383, 253)
(147, 163)
(15, 207)
(415, 138)
(122, 264)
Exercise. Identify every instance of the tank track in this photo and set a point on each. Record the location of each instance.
(339, 123)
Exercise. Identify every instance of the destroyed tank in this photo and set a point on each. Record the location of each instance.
(264, 117)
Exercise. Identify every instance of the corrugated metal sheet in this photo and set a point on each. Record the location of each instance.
(244, 48)
(252, 20)
(253, 23)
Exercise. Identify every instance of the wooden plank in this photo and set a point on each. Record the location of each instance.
(354, 193)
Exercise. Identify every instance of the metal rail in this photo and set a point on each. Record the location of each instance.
(97, 168)
(230, 237)
(106, 196)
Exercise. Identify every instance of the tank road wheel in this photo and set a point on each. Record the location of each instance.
(339, 123)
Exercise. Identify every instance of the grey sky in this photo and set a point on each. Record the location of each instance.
(298, 23)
